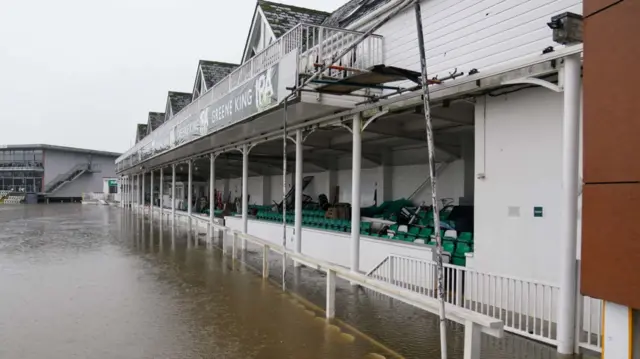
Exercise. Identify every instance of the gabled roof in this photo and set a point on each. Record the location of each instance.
(155, 120)
(214, 71)
(178, 101)
(282, 17)
(141, 131)
(352, 11)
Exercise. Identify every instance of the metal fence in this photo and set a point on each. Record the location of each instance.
(528, 308)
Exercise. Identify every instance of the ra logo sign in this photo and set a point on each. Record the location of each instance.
(264, 90)
(204, 122)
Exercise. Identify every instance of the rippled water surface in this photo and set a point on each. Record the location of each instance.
(98, 282)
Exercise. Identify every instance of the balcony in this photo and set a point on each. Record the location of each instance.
(259, 86)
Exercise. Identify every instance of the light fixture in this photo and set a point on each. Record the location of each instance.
(567, 28)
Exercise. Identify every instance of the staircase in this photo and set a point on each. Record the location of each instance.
(62, 179)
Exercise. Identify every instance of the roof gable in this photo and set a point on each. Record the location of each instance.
(352, 11)
(176, 101)
(155, 120)
(282, 17)
(141, 131)
(214, 71)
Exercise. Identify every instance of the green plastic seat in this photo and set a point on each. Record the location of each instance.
(459, 260)
(448, 246)
(466, 237)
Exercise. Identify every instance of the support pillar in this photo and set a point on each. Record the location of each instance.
(190, 189)
(161, 202)
(265, 262)
(331, 294)
(212, 194)
(245, 192)
(173, 193)
(355, 192)
(151, 197)
(472, 336)
(298, 192)
(569, 203)
(142, 195)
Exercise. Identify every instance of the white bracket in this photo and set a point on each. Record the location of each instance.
(373, 118)
(535, 81)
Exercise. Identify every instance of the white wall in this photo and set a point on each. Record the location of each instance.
(333, 247)
(518, 148)
(472, 33)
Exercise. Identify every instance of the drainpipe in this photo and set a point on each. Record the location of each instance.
(161, 194)
(298, 192)
(355, 192)
(569, 204)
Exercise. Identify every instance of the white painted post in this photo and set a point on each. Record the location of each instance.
(392, 274)
(472, 337)
(151, 197)
(173, 193)
(212, 194)
(139, 193)
(234, 238)
(265, 261)
(161, 194)
(245, 192)
(569, 204)
(190, 188)
(355, 192)
(331, 294)
(142, 196)
(298, 193)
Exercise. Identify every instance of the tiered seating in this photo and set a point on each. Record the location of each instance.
(14, 199)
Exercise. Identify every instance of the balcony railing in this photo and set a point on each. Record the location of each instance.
(314, 45)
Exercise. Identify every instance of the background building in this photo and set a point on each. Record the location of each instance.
(55, 172)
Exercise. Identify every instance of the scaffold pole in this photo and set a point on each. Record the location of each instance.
(284, 194)
(432, 172)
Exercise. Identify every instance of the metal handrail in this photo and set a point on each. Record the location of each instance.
(283, 44)
(63, 177)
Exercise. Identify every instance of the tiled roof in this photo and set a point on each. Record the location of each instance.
(178, 100)
(352, 11)
(282, 17)
(155, 120)
(141, 131)
(214, 71)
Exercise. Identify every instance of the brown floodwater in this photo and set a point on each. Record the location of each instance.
(99, 282)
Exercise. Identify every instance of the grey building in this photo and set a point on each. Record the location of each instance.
(56, 172)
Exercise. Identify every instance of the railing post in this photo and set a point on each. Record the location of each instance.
(331, 294)
(392, 274)
(234, 237)
(265, 262)
(472, 336)
(459, 287)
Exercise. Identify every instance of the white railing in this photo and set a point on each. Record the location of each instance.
(315, 44)
(94, 196)
(589, 335)
(528, 308)
(474, 323)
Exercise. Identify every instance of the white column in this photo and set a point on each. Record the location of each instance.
(151, 196)
(190, 188)
(331, 294)
(173, 192)
(298, 191)
(142, 195)
(139, 192)
(212, 188)
(355, 192)
(569, 204)
(245, 188)
(161, 193)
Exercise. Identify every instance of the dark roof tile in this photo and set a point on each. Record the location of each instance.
(214, 71)
(282, 17)
(141, 131)
(179, 100)
(155, 120)
(352, 11)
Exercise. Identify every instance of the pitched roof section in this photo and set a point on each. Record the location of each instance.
(282, 17)
(352, 11)
(179, 100)
(155, 120)
(214, 71)
(141, 131)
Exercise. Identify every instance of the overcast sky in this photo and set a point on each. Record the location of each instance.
(82, 73)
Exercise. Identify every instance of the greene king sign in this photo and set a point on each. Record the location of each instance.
(254, 96)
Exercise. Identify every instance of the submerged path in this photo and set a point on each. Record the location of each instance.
(97, 282)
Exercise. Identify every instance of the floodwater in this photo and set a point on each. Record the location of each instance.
(98, 282)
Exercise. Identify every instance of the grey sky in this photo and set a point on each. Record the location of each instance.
(82, 73)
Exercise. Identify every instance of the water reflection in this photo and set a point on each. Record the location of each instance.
(83, 282)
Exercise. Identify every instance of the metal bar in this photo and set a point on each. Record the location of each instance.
(284, 193)
(432, 172)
